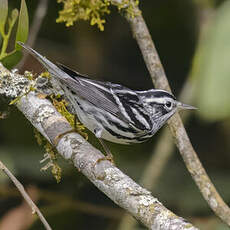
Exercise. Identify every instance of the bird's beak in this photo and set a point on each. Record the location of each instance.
(184, 106)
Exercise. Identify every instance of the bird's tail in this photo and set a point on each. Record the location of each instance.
(51, 67)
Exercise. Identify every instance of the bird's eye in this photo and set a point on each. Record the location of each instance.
(168, 104)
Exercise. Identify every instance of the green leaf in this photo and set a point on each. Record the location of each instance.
(3, 14)
(12, 59)
(214, 68)
(14, 15)
(0, 40)
(23, 25)
(13, 18)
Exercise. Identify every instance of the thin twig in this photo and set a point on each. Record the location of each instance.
(19, 217)
(193, 164)
(25, 195)
(160, 156)
(162, 151)
(39, 16)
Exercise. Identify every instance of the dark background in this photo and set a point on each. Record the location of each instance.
(113, 55)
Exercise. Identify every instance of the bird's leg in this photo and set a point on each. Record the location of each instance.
(109, 156)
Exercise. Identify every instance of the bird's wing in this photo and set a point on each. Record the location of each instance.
(104, 95)
(113, 98)
(96, 92)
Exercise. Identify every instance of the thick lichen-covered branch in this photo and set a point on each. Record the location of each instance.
(116, 185)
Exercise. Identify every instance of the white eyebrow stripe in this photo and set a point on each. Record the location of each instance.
(125, 91)
(158, 100)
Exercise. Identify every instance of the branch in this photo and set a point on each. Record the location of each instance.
(160, 156)
(162, 151)
(193, 164)
(25, 195)
(110, 180)
(39, 16)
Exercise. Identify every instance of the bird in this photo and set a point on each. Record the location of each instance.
(112, 111)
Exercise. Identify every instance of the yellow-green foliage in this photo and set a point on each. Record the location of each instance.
(129, 6)
(51, 153)
(45, 74)
(92, 10)
(50, 156)
(39, 138)
(56, 169)
(60, 105)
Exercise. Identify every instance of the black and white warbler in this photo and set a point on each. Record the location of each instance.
(111, 111)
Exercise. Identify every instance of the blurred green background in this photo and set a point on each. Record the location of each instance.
(193, 41)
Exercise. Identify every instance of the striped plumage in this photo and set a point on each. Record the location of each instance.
(111, 111)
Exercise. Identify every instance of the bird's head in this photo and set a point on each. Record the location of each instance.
(161, 105)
